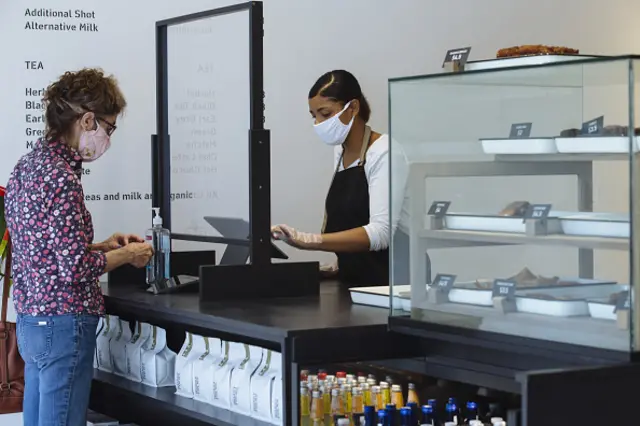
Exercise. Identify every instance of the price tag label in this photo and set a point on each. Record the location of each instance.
(504, 288)
(624, 302)
(444, 282)
(520, 131)
(460, 55)
(593, 127)
(538, 211)
(439, 208)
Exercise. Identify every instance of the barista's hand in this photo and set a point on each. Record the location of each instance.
(301, 240)
(139, 253)
(118, 240)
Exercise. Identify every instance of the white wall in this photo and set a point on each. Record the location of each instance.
(375, 39)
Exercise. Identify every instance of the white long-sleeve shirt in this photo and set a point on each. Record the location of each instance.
(376, 169)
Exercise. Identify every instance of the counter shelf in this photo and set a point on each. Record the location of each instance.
(308, 331)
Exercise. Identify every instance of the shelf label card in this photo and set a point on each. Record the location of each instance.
(460, 55)
(439, 208)
(444, 282)
(623, 303)
(593, 127)
(520, 131)
(504, 288)
(538, 211)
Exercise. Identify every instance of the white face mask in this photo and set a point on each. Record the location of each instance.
(332, 131)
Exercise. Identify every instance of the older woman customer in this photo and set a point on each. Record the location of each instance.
(56, 264)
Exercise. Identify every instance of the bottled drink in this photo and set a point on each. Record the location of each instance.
(326, 403)
(405, 417)
(389, 380)
(386, 393)
(337, 403)
(303, 375)
(451, 411)
(471, 413)
(317, 407)
(371, 382)
(383, 418)
(344, 421)
(376, 397)
(415, 412)
(370, 415)
(158, 270)
(346, 394)
(357, 404)
(413, 394)
(396, 396)
(428, 416)
(392, 415)
(304, 405)
(366, 394)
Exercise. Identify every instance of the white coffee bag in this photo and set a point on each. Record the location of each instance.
(192, 348)
(117, 345)
(101, 324)
(241, 379)
(133, 350)
(262, 386)
(158, 361)
(203, 369)
(102, 343)
(276, 390)
(233, 353)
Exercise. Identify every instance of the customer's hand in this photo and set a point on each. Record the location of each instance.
(139, 253)
(119, 240)
(295, 238)
(329, 270)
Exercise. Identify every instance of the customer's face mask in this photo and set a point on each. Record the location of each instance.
(332, 131)
(93, 143)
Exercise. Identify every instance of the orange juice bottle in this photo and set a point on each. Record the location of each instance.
(413, 395)
(396, 396)
(376, 397)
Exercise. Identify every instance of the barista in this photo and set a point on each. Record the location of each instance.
(356, 224)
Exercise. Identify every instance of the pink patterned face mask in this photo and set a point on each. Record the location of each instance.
(93, 143)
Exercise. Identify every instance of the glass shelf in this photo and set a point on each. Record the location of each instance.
(557, 266)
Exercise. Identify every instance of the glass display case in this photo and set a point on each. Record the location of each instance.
(518, 200)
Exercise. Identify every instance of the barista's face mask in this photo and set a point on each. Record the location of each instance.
(332, 131)
(93, 143)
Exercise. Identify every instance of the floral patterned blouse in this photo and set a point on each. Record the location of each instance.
(54, 270)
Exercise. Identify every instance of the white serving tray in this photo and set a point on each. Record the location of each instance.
(377, 296)
(613, 225)
(520, 61)
(519, 146)
(600, 308)
(595, 145)
(482, 297)
(488, 223)
(575, 305)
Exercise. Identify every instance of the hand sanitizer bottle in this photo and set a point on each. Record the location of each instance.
(160, 240)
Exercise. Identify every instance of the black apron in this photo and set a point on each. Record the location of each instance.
(347, 207)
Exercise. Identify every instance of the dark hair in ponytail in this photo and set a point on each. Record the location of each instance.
(341, 86)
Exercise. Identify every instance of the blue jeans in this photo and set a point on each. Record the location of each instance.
(58, 353)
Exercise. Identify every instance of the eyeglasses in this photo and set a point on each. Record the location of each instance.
(110, 126)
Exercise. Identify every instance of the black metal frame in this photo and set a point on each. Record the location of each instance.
(261, 278)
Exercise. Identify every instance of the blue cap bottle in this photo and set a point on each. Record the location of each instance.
(383, 418)
(405, 417)
(451, 411)
(428, 416)
(370, 416)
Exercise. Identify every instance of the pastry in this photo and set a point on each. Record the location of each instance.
(515, 209)
(535, 49)
(570, 133)
(524, 279)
